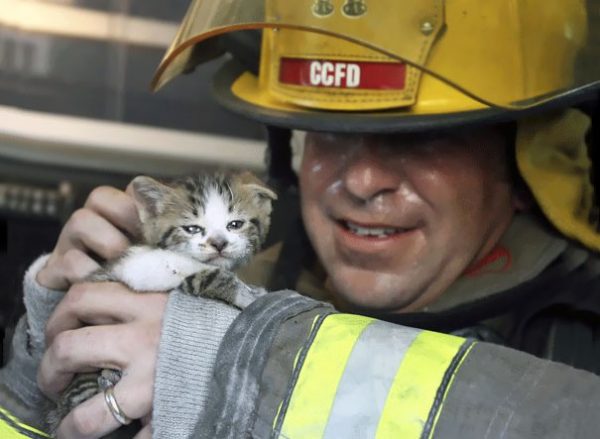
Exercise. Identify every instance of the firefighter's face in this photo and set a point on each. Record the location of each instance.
(395, 219)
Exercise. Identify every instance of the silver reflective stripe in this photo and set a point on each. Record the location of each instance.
(367, 379)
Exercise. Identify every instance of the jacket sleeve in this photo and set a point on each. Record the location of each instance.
(21, 402)
(292, 367)
(193, 328)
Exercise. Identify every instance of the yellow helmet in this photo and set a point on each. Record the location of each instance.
(389, 65)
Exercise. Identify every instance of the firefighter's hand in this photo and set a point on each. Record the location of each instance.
(125, 336)
(101, 230)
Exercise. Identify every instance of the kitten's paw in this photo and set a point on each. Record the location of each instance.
(108, 378)
(246, 295)
(53, 417)
(149, 269)
(220, 284)
(101, 275)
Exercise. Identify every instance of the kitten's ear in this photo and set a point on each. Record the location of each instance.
(150, 196)
(257, 186)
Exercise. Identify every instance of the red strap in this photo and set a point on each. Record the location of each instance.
(498, 254)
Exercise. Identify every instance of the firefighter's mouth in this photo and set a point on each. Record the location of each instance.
(372, 231)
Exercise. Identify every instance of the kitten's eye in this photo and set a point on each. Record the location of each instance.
(235, 224)
(192, 230)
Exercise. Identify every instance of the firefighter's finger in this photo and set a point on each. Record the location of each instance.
(94, 418)
(102, 303)
(82, 350)
(117, 207)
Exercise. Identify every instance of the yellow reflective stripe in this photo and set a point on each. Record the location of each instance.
(315, 389)
(11, 427)
(415, 387)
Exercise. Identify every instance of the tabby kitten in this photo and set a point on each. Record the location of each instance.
(195, 230)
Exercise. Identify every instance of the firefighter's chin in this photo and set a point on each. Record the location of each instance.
(365, 290)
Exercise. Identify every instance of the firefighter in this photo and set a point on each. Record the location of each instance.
(447, 192)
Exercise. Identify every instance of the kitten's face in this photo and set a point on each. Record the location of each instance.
(219, 220)
(216, 231)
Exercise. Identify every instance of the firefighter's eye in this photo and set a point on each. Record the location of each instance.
(235, 225)
(192, 230)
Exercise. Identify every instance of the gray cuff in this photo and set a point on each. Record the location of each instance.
(20, 373)
(39, 303)
(193, 328)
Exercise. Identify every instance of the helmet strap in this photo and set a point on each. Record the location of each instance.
(279, 158)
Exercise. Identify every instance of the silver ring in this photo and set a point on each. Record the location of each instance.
(114, 408)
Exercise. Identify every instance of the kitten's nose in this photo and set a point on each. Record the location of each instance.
(218, 243)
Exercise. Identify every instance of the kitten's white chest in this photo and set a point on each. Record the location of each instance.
(151, 269)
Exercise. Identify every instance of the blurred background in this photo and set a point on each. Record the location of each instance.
(76, 112)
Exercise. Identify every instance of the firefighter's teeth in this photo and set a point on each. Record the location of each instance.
(371, 231)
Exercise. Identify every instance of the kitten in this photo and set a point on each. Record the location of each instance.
(195, 231)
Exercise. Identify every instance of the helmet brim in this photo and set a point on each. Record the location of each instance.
(392, 121)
